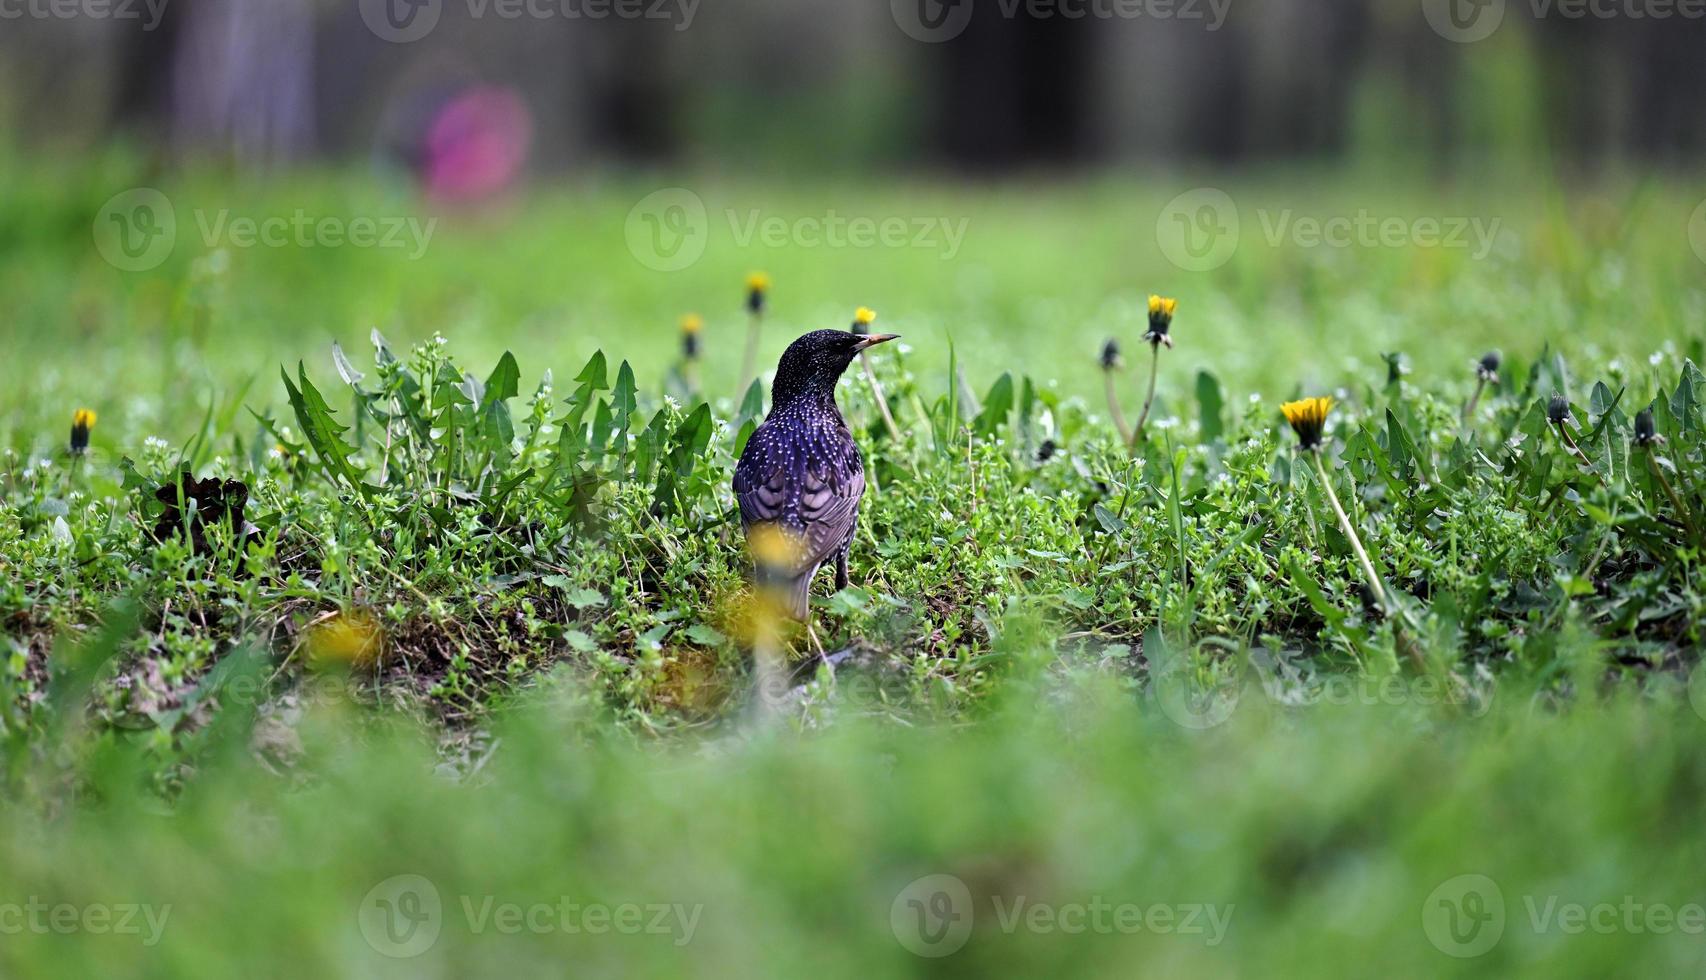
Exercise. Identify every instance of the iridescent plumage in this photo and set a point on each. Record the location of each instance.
(800, 477)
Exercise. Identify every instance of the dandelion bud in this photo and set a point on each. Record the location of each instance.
(1111, 355)
(1161, 310)
(1488, 369)
(863, 319)
(691, 324)
(1646, 433)
(757, 292)
(1558, 409)
(81, 422)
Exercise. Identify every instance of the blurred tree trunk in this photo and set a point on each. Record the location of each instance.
(1012, 91)
(243, 80)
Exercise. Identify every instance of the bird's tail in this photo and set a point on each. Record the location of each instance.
(788, 595)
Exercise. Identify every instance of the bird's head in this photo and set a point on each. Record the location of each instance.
(815, 362)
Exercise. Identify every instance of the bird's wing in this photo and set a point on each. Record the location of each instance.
(762, 480)
(829, 506)
(815, 504)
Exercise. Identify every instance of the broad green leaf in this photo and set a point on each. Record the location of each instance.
(504, 382)
(997, 406)
(323, 433)
(1210, 403)
(592, 375)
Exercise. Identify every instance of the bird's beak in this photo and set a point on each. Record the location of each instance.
(872, 340)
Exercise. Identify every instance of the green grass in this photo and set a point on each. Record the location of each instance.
(1073, 670)
(1319, 835)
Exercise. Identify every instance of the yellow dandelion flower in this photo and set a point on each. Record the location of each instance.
(862, 320)
(82, 421)
(757, 290)
(1161, 310)
(1308, 418)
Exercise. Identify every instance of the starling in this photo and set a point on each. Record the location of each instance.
(801, 476)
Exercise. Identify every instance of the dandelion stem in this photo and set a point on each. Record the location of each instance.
(1676, 501)
(1381, 594)
(1350, 530)
(1114, 407)
(749, 359)
(1564, 434)
(1475, 399)
(882, 402)
(1149, 399)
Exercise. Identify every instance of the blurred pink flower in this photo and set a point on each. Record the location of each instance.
(477, 144)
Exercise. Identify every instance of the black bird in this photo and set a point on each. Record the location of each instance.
(801, 476)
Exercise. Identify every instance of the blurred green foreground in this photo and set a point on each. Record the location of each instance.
(1075, 830)
(1067, 816)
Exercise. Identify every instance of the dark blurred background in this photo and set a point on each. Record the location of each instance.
(835, 85)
